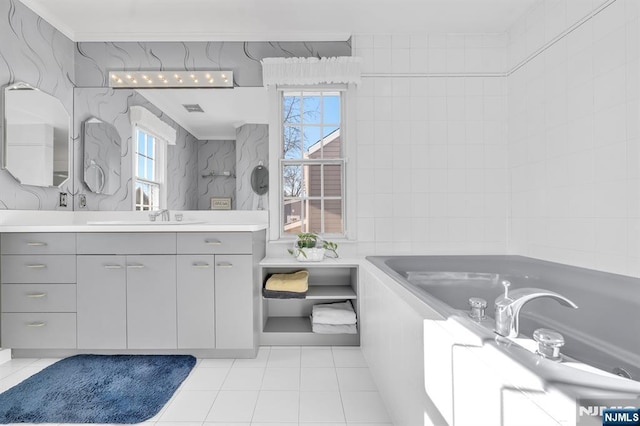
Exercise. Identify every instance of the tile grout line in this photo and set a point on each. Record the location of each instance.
(300, 386)
(218, 391)
(335, 372)
(266, 365)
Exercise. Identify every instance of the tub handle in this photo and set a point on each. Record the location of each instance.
(478, 307)
(549, 343)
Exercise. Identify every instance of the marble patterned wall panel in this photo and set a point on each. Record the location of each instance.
(112, 106)
(94, 60)
(182, 172)
(33, 51)
(252, 148)
(216, 158)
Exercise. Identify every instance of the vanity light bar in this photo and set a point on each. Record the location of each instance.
(172, 79)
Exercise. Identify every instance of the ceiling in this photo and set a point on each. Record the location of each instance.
(271, 20)
(224, 109)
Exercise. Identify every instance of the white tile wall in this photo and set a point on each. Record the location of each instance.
(432, 151)
(573, 137)
(542, 163)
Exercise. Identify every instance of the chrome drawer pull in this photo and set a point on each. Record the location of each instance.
(135, 266)
(213, 242)
(200, 265)
(36, 244)
(112, 267)
(36, 295)
(37, 266)
(225, 265)
(36, 324)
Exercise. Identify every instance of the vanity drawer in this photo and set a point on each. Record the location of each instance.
(38, 298)
(39, 331)
(38, 243)
(215, 243)
(51, 269)
(126, 243)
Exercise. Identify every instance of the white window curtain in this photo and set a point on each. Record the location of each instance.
(144, 118)
(307, 71)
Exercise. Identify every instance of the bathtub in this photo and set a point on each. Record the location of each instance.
(601, 355)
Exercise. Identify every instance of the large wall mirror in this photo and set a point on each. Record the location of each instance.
(36, 136)
(221, 135)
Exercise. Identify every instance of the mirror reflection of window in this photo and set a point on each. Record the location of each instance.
(148, 171)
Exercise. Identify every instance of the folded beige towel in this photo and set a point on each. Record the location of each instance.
(297, 282)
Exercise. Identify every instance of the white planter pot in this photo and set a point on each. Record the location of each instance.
(313, 255)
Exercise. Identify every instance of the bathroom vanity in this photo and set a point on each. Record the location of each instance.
(157, 289)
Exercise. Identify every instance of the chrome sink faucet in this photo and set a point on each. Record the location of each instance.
(164, 215)
(508, 307)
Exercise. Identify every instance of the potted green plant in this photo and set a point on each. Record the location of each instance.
(308, 247)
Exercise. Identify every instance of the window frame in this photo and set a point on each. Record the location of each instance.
(160, 160)
(276, 198)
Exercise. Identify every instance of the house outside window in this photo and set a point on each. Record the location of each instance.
(312, 162)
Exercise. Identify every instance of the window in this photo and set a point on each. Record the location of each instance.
(149, 166)
(312, 162)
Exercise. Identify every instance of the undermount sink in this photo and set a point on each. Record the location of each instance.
(144, 222)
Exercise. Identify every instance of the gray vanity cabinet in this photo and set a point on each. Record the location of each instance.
(126, 302)
(38, 278)
(102, 302)
(234, 302)
(131, 291)
(127, 290)
(151, 302)
(196, 302)
(233, 311)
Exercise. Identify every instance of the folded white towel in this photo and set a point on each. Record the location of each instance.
(333, 328)
(334, 313)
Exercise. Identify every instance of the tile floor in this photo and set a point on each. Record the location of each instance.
(287, 386)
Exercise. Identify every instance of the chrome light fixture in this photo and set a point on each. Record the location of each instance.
(172, 79)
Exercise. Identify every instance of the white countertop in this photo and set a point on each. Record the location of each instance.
(290, 261)
(195, 221)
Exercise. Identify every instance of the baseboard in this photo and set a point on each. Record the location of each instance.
(5, 355)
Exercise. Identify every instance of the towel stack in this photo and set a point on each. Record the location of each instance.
(287, 286)
(334, 318)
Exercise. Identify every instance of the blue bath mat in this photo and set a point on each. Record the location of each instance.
(96, 389)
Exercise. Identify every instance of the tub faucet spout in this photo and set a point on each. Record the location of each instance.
(508, 307)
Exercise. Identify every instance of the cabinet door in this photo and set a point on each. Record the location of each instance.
(101, 302)
(234, 302)
(151, 302)
(196, 318)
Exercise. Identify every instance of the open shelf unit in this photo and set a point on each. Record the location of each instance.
(287, 322)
